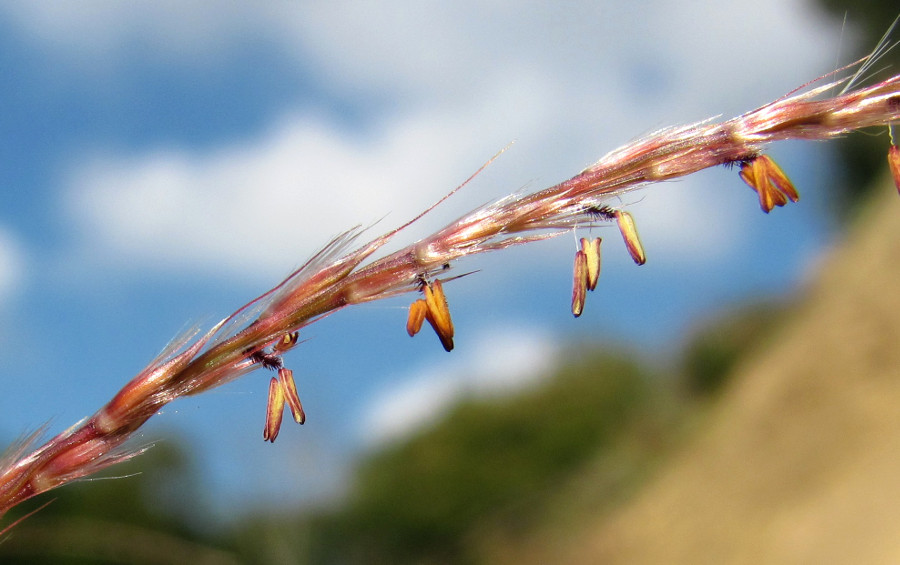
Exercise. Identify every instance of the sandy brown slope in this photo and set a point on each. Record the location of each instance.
(800, 462)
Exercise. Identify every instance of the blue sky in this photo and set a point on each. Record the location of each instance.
(162, 162)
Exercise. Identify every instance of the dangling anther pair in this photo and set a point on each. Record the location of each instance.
(282, 388)
(587, 259)
(433, 308)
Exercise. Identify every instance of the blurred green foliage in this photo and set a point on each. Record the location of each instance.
(419, 498)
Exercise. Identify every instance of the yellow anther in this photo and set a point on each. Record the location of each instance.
(286, 342)
(630, 235)
(591, 249)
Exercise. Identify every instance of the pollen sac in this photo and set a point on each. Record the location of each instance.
(579, 283)
(894, 164)
(764, 176)
(438, 313)
(286, 342)
(630, 235)
(417, 312)
(286, 377)
(591, 249)
(274, 410)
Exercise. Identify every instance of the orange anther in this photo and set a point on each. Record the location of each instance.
(274, 410)
(417, 312)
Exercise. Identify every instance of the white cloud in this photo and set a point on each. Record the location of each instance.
(255, 209)
(506, 359)
(556, 79)
(443, 49)
(98, 31)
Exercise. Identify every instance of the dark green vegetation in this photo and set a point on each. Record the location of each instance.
(422, 497)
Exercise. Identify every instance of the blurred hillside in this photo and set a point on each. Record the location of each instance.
(800, 460)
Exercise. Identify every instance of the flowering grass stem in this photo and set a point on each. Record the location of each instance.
(341, 274)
